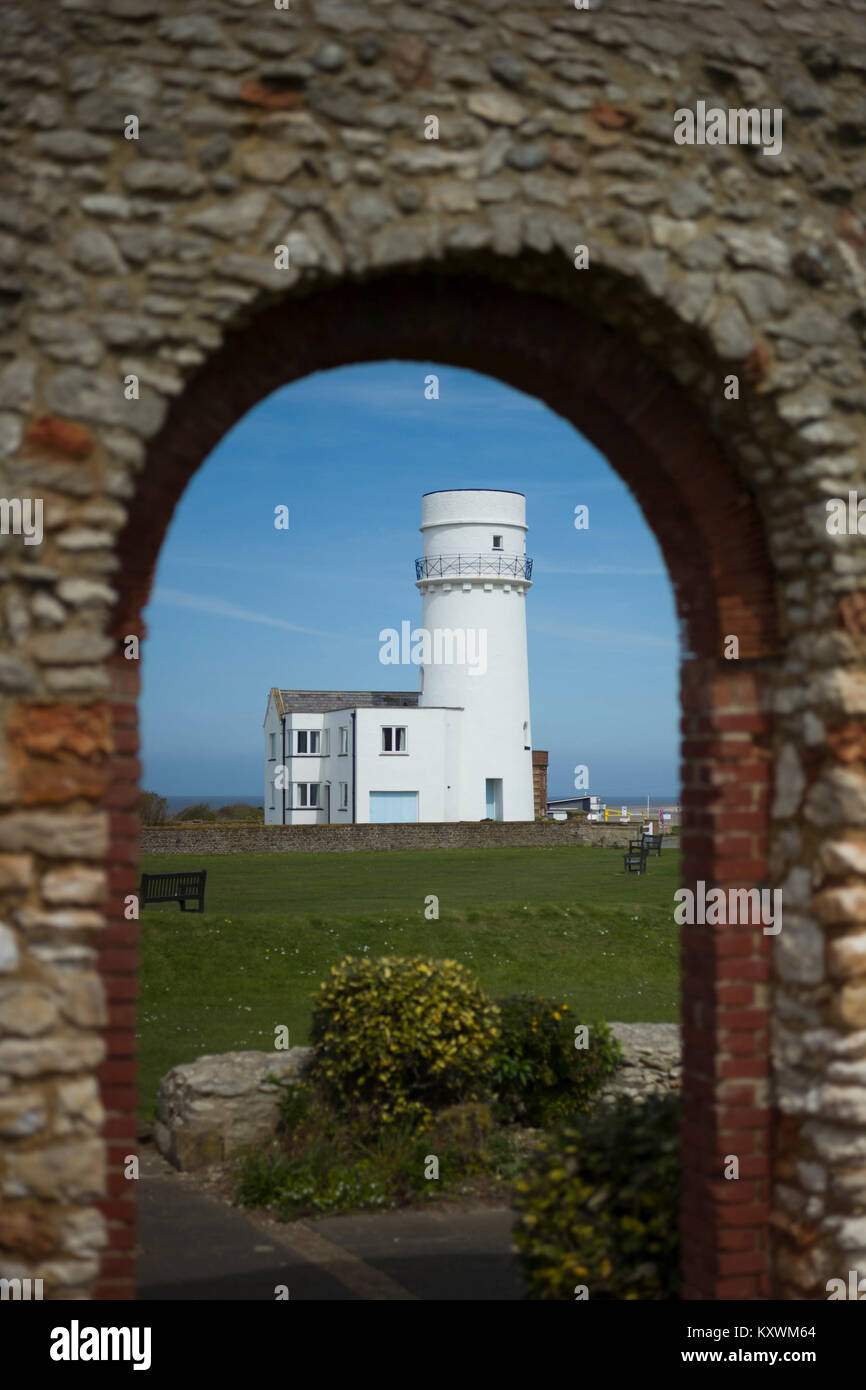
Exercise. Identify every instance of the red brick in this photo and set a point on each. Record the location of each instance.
(122, 1238)
(120, 1097)
(62, 436)
(116, 1209)
(727, 994)
(118, 1266)
(737, 1288)
(118, 960)
(122, 1016)
(123, 1127)
(121, 933)
(121, 987)
(744, 1117)
(120, 1044)
(747, 723)
(742, 1262)
(125, 740)
(120, 795)
(114, 1290)
(117, 1071)
(739, 1019)
(255, 94)
(124, 851)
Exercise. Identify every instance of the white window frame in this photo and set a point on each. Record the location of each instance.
(298, 804)
(272, 757)
(395, 730)
(309, 735)
(344, 796)
(344, 740)
(499, 539)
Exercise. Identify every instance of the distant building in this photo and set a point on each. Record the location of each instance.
(460, 748)
(560, 806)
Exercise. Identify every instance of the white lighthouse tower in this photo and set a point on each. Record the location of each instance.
(473, 577)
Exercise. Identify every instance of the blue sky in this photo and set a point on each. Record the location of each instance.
(239, 606)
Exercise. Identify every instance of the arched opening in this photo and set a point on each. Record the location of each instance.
(708, 527)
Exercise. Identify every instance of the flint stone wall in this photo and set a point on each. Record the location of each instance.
(214, 1108)
(652, 1060)
(153, 258)
(337, 839)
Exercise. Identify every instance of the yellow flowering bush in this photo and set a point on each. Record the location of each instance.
(598, 1205)
(539, 1075)
(398, 1037)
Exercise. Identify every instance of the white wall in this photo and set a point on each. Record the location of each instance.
(496, 698)
(305, 767)
(428, 768)
(338, 768)
(273, 814)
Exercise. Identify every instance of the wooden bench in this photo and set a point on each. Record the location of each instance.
(635, 859)
(173, 888)
(653, 843)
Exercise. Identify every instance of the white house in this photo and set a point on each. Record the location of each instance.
(460, 748)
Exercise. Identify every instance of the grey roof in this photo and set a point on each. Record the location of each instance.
(325, 701)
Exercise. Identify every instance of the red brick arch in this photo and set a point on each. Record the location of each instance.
(710, 531)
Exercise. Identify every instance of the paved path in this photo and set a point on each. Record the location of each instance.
(191, 1245)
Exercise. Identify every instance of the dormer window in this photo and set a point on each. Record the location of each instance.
(497, 542)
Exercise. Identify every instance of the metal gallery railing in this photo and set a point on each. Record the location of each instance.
(444, 566)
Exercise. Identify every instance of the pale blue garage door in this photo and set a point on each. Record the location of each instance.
(388, 807)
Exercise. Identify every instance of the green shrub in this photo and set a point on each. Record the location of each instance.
(295, 1106)
(467, 1127)
(457, 1136)
(396, 1038)
(598, 1205)
(260, 1178)
(200, 812)
(322, 1181)
(538, 1073)
(240, 812)
(325, 1166)
(152, 809)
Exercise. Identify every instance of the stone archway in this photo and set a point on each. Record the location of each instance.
(154, 259)
(705, 520)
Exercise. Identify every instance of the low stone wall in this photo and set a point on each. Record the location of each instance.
(652, 1060)
(336, 839)
(213, 1108)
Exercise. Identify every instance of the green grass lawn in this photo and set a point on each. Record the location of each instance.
(566, 922)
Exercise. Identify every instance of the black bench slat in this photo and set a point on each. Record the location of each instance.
(634, 861)
(178, 886)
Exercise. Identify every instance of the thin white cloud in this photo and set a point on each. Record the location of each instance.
(251, 568)
(605, 637)
(543, 568)
(176, 598)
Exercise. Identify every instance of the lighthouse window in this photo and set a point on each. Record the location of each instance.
(497, 542)
(393, 740)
